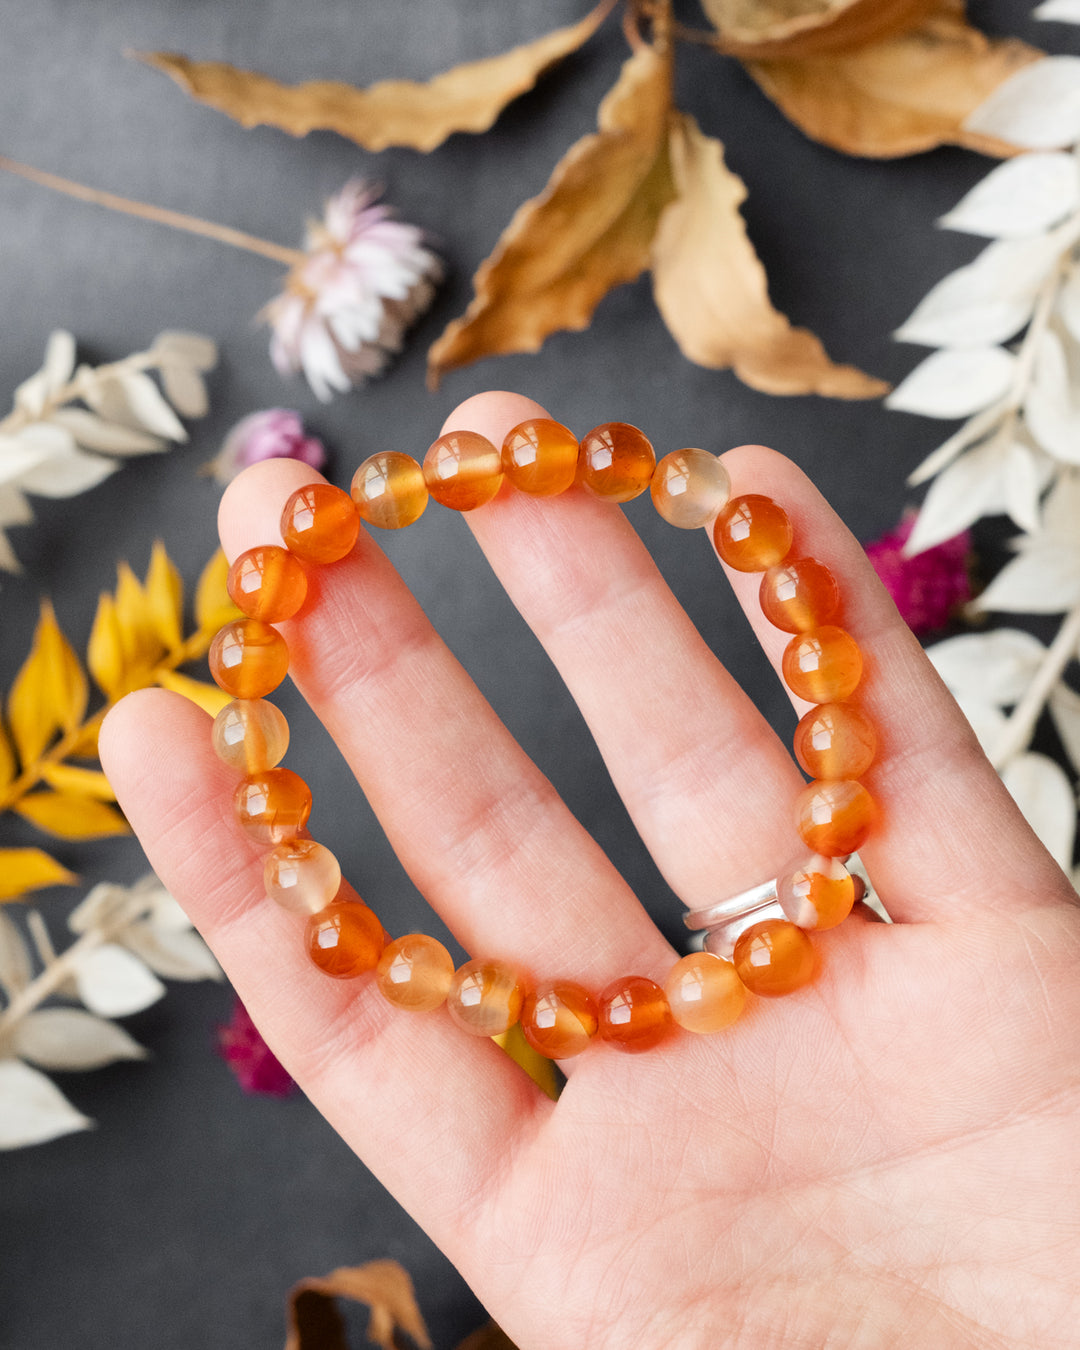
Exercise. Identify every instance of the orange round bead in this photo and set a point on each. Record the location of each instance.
(689, 488)
(302, 876)
(774, 958)
(414, 973)
(616, 462)
(539, 456)
(799, 594)
(248, 658)
(836, 740)
(250, 735)
(818, 894)
(320, 523)
(824, 665)
(704, 993)
(834, 816)
(273, 805)
(389, 490)
(752, 533)
(345, 939)
(559, 1019)
(267, 583)
(634, 1014)
(485, 997)
(463, 470)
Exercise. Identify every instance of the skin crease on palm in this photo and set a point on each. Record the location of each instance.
(888, 1158)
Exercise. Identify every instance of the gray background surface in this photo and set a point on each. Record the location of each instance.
(183, 1218)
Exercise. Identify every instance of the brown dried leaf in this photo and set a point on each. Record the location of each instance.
(780, 28)
(394, 112)
(314, 1322)
(712, 290)
(589, 230)
(908, 92)
(30, 869)
(50, 691)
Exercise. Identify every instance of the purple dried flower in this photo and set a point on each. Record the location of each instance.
(928, 587)
(255, 1065)
(276, 433)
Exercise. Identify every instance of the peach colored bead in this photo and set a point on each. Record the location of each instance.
(389, 490)
(539, 457)
(320, 523)
(634, 1014)
(775, 958)
(414, 972)
(834, 816)
(704, 992)
(559, 1019)
(267, 583)
(616, 462)
(835, 740)
(302, 876)
(824, 665)
(819, 893)
(463, 470)
(250, 735)
(752, 533)
(485, 997)
(345, 939)
(248, 658)
(689, 488)
(798, 594)
(273, 805)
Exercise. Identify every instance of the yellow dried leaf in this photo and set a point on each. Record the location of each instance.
(83, 782)
(212, 604)
(50, 691)
(30, 869)
(105, 649)
(85, 745)
(779, 28)
(314, 1322)
(165, 598)
(394, 112)
(539, 1069)
(712, 290)
(139, 640)
(7, 760)
(71, 815)
(208, 696)
(589, 230)
(906, 93)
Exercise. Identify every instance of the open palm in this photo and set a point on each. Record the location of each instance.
(887, 1158)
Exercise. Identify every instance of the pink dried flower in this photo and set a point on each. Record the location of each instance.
(929, 587)
(345, 307)
(276, 433)
(255, 1065)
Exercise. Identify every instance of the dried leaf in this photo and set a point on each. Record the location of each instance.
(8, 765)
(114, 983)
(177, 347)
(138, 634)
(1041, 790)
(148, 408)
(59, 360)
(15, 965)
(35, 1110)
(1038, 108)
(50, 691)
(1045, 576)
(909, 92)
(68, 1038)
(67, 471)
(394, 112)
(781, 28)
(996, 666)
(206, 696)
(85, 743)
(212, 604)
(165, 598)
(1069, 303)
(105, 649)
(314, 1322)
(712, 290)
(987, 722)
(186, 390)
(1023, 196)
(71, 815)
(539, 1069)
(99, 907)
(997, 478)
(1050, 408)
(177, 955)
(1060, 11)
(1064, 704)
(18, 456)
(109, 438)
(85, 782)
(955, 382)
(30, 869)
(589, 230)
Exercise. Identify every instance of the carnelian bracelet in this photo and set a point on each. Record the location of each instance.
(762, 931)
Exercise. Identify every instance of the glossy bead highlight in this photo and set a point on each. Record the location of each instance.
(690, 488)
(248, 658)
(463, 470)
(319, 523)
(616, 462)
(798, 594)
(819, 893)
(559, 1019)
(250, 735)
(834, 816)
(414, 973)
(752, 533)
(634, 1014)
(345, 939)
(835, 740)
(539, 457)
(704, 993)
(273, 805)
(824, 665)
(389, 490)
(774, 958)
(267, 583)
(302, 876)
(486, 997)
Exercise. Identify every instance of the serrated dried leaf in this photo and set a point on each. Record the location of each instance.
(141, 645)
(588, 231)
(1023, 196)
(955, 382)
(906, 93)
(212, 604)
(68, 1039)
(800, 27)
(30, 869)
(1064, 704)
(208, 697)
(16, 968)
(59, 360)
(712, 290)
(1038, 108)
(996, 666)
(394, 112)
(314, 1322)
(114, 983)
(105, 648)
(35, 1110)
(177, 955)
(84, 782)
(1041, 790)
(71, 815)
(165, 597)
(178, 347)
(109, 438)
(50, 691)
(186, 390)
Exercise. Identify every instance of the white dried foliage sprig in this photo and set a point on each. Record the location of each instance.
(1007, 332)
(71, 428)
(125, 939)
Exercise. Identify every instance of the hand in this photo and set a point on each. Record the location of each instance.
(886, 1158)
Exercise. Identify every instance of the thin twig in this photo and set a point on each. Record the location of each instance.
(1017, 731)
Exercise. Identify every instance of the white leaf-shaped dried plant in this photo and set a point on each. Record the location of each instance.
(1061, 11)
(1022, 196)
(955, 382)
(33, 1110)
(1041, 790)
(1064, 706)
(1037, 108)
(68, 1038)
(114, 983)
(996, 666)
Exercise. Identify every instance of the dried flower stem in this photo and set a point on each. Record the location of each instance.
(176, 220)
(1018, 730)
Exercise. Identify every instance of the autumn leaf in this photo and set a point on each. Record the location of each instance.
(7, 760)
(30, 869)
(139, 640)
(213, 607)
(105, 649)
(767, 29)
(712, 290)
(209, 697)
(906, 93)
(394, 112)
(540, 1069)
(589, 230)
(165, 598)
(314, 1322)
(84, 782)
(71, 815)
(50, 691)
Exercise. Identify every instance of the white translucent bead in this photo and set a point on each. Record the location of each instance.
(302, 876)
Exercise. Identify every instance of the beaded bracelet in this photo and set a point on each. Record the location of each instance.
(835, 742)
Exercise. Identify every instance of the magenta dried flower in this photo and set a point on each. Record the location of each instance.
(276, 433)
(255, 1065)
(928, 588)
